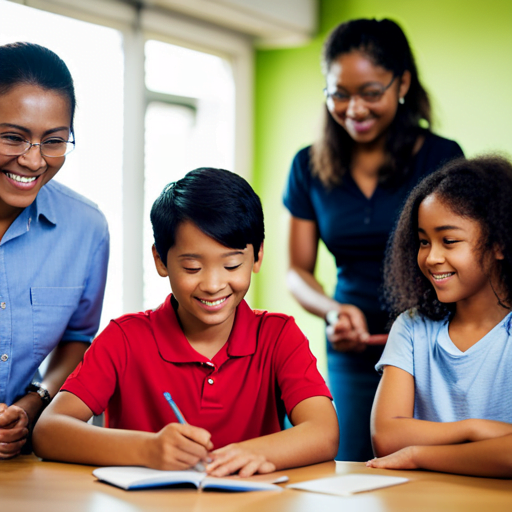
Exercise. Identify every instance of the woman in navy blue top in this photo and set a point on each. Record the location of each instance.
(347, 190)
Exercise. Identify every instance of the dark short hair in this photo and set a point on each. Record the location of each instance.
(31, 64)
(479, 189)
(219, 202)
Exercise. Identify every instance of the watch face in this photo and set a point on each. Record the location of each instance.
(41, 392)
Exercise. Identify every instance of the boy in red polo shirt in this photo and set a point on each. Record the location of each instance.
(234, 372)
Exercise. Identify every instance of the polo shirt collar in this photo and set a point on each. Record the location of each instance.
(174, 346)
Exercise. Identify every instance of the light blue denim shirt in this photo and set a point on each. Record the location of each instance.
(53, 266)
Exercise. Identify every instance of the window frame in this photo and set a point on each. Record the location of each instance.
(137, 25)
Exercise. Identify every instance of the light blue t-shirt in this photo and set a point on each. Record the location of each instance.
(451, 385)
(53, 265)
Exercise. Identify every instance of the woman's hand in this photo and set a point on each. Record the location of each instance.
(179, 446)
(13, 430)
(350, 332)
(236, 458)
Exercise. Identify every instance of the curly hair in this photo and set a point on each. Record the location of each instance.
(384, 44)
(479, 189)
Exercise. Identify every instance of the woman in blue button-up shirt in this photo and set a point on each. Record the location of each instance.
(53, 242)
(347, 190)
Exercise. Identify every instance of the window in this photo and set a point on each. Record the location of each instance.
(189, 124)
(94, 168)
(161, 109)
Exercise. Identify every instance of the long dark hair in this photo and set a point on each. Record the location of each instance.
(384, 43)
(478, 189)
(31, 64)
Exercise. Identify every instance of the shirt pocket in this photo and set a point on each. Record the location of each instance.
(52, 308)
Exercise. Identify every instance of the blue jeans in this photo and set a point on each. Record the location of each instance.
(353, 382)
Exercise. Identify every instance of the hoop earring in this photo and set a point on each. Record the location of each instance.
(401, 100)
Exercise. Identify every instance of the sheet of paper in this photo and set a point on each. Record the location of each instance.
(345, 485)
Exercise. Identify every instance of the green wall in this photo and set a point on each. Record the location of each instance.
(463, 50)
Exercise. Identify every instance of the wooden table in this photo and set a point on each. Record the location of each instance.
(30, 485)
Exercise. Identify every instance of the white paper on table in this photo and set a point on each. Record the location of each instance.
(345, 485)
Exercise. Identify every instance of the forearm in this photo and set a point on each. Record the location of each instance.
(309, 293)
(63, 438)
(307, 443)
(490, 458)
(63, 361)
(397, 433)
(393, 434)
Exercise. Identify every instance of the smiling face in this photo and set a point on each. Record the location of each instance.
(207, 279)
(34, 114)
(353, 73)
(450, 257)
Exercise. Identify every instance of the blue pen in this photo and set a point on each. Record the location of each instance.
(199, 466)
(174, 407)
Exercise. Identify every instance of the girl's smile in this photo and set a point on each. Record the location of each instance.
(450, 256)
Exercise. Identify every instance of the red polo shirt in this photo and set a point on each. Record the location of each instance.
(264, 369)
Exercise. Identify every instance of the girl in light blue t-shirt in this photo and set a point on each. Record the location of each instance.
(444, 402)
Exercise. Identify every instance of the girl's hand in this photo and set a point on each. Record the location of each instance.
(235, 458)
(13, 430)
(179, 447)
(402, 459)
(350, 332)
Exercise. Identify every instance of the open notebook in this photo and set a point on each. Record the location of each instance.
(134, 477)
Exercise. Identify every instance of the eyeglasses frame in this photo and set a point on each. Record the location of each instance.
(329, 96)
(41, 144)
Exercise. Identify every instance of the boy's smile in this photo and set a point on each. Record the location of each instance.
(208, 280)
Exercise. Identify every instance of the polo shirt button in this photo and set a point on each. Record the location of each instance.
(210, 381)
(4, 357)
(3, 305)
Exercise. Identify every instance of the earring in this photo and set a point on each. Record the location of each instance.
(401, 100)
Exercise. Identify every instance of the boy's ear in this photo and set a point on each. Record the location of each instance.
(257, 264)
(159, 264)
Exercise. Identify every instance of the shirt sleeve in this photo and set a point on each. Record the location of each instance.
(297, 198)
(95, 379)
(399, 348)
(295, 366)
(84, 322)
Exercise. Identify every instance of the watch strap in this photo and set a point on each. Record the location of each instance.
(44, 394)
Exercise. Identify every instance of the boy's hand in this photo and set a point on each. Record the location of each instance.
(402, 459)
(13, 430)
(233, 458)
(179, 447)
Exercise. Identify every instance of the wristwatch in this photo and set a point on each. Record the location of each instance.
(44, 394)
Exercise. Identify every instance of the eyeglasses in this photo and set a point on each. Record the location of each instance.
(369, 93)
(14, 145)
